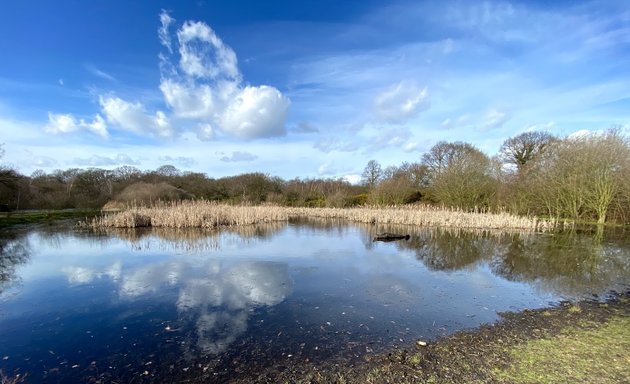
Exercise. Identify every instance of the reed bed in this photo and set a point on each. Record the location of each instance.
(205, 214)
(189, 214)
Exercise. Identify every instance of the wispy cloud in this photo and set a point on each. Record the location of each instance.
(495, 118)
(100, 161)
(401, 102)
(100, 73)
(238, 157)
(182, 161)
(305, 127)
(331, 144)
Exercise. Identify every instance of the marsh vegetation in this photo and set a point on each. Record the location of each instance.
(535, 174)
(206, 214)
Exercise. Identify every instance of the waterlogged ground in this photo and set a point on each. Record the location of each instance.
(160, 306)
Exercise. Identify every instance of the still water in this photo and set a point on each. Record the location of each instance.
(167, 305)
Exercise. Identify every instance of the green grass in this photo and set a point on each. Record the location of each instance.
(599, 355)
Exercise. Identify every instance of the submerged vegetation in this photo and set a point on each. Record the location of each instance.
(206, 214)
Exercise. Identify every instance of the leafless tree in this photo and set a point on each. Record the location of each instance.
(372, 173)
(521, 149)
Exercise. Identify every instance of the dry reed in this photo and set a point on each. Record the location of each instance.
(205, 214)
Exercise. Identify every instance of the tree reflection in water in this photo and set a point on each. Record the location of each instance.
(567, 263)
(14, 251)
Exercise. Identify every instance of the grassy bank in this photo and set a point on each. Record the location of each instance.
(204, 214)
(9, 219)
(587, 342)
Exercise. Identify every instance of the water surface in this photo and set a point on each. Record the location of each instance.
(160, 305)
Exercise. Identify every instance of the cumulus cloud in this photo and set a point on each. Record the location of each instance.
(256, 112)
(401, 102)
(205, 84)
(98, 161)
(67, 123)
(202, 53)
(200, 82)
(239, 156)
(133, 117)
(495, 118)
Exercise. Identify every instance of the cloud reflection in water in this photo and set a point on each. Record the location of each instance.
(216, 296)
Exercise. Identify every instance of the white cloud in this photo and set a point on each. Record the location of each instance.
(190, 101)
(239, 156)
(401, 102)
(97, 161)
(99, 73)
(354, 179)
(163, 33)
(328, 168)
(449, 123)
(180, 160)
(133, 117)
(203, 54)
(44, 162)
(205, 132)
(540, 126)
(495, 118)
(67, 123)
(411, 146)
(200, 81)
(256, 112)
(585, 134)
(330, 144)
(206, 86)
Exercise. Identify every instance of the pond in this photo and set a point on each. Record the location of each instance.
(169, 305)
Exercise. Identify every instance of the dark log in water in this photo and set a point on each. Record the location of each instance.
(390, 237)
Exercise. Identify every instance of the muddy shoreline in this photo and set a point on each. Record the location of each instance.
(464, 357)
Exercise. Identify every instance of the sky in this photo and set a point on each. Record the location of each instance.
(308, 89)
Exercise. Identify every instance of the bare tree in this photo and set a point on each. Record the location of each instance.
(459, 175)
(372, 173)
(168, 171)
(521, 149)
(581, 177)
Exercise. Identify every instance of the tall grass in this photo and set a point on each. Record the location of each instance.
(205, 214)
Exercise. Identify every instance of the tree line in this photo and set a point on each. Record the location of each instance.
(583, 177)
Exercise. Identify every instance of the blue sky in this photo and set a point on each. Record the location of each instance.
(300, 88)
